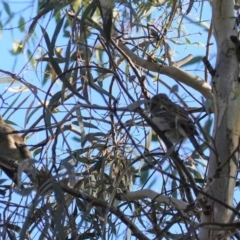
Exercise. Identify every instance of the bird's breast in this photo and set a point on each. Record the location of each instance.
(163, 123)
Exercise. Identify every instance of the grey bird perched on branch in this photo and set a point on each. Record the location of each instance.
(173, 120)
(12, 146)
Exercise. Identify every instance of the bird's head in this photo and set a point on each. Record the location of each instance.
(159, 100)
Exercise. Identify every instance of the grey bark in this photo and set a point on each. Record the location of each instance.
(221, 177)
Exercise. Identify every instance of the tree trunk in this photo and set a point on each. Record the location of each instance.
(226, 89)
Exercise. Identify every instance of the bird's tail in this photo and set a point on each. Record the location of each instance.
(196, 146)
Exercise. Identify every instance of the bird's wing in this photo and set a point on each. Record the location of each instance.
(177, 111)
(172, 112)
(182, 118)
(19, 143)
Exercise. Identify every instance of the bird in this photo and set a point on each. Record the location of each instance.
(12, 147)
(173, 120)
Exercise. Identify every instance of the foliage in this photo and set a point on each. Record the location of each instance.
(107, 173)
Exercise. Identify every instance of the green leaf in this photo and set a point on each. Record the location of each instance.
(83, 160)
(54, 101)
(47, 118)
(47, 41)
(45, 8)
(195, 60)
(31, 114)
(144, 174)
(80, 204)
(98, 165)
(37, 151)
(68, 52)
(81, 125)
(21, 24)
(195, 172)
(30, 57)
(56, 32)
(47, 74)
(89, 11)
(174, 188)
(188, 40)
(101, 90)
(11, 105)
(56, 67)
(86, 124)
(57, 14)
(7, 8)
(1, 27)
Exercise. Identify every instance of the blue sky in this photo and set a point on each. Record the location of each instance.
(19, 64)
